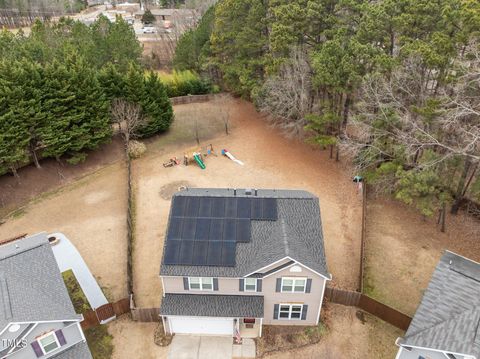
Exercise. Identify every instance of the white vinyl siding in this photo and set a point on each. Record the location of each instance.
(293, 285)
(200, 283)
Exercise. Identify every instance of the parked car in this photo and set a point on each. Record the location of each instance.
(149, 30)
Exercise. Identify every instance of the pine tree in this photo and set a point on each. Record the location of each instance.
(156, 107)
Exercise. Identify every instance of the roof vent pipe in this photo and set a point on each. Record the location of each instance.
(234, 191)
(256, 192)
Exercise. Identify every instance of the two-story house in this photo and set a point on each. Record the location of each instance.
(235, 259)
(37, 318)
(446, 324)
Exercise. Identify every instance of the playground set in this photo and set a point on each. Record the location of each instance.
(198, 155)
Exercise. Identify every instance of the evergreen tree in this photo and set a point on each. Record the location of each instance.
(156, 107)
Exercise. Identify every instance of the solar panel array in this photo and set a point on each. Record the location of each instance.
(205, 230)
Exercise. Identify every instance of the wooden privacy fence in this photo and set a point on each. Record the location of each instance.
(143, 314)
(370, 305)
(181, 100)
(93, 318)
(146, 314)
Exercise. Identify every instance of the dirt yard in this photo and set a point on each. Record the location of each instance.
(134, 340)
(402, 250)
(271, 161)
(91, 213)
(349, 337)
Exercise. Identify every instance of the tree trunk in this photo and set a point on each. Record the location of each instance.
(331, 151)
(14, 171)
(444, 214)
(337, 154)
(461, 186)
(35, 158)
(346, 110)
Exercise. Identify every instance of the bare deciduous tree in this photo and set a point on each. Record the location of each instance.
(128, 118)
(221, 103)
(288, 96)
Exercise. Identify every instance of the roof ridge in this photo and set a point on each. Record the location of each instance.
(285, 236)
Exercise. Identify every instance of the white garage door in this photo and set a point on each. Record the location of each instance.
(201, 325)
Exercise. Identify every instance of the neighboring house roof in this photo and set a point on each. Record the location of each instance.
(296, 234)
(31, 286)
(78, 351)
(448, 317)
(229, 306)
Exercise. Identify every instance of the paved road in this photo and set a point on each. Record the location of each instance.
(68, 257)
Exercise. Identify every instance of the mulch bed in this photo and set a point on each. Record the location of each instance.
(287, 337)
(160, 338)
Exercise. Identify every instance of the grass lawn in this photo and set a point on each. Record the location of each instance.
(98, 339)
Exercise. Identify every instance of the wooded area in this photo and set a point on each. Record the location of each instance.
(57, 86)
(393, 85)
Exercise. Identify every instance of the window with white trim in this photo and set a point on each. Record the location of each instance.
(48, 342)
(200, 283)
(290, 311)
(250, 285)
(294, 285)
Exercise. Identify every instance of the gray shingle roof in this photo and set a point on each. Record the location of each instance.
(448, 316)
(297, 233)
(31, 286)
(210, 305)
(78, 351)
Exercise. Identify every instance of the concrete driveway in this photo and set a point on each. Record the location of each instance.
(196, 347)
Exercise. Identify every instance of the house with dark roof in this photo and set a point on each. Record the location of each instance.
(37, 318)
(446, 324)
(235, 259)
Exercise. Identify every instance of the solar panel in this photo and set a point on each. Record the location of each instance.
(269, 209)
(228, 254)
(175, 228)
(214, 253)
(200, 253)
(218, 207)
(179, 205)
(243, 207)
(171, 252)
(257, 208)
(216, 229)
(188, 228)
(202, 229)
(230, 208)
(229, 230)
(186, 252)
(205, 230)
(244, 230)
(192, 207)
(205, 207)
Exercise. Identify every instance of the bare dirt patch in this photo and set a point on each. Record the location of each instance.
(33, 181)
(402, 250)
(92, 214)
(168, 190)
(348, 337)
(271, 161)
(134, 340)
